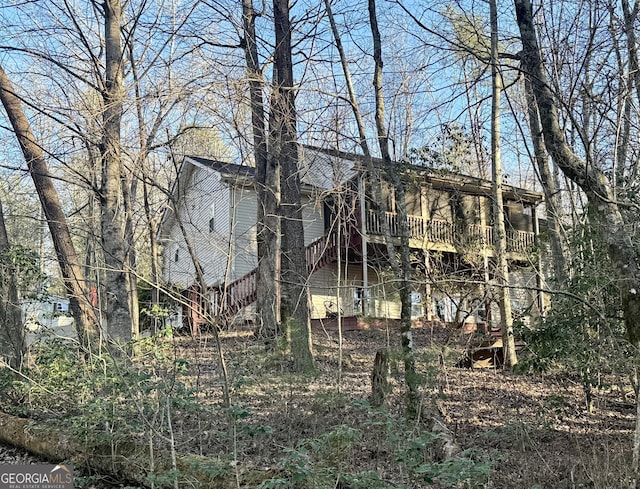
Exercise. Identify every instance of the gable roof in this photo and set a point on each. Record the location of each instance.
(324, 168)
(317, 168)
(444, 180)
(224, 168)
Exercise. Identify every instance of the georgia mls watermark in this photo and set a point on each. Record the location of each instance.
(36, 476)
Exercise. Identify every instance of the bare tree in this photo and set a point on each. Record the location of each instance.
(551, 195)
(86, 324)
(591, 180)
(294, 308)
(118, 313)
(12, 343)
(403, 269)
(499, 233)
(267, 309)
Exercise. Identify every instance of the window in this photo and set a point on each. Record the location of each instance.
(176, 255)
(417, 309)
(358, 299)
(212, 221)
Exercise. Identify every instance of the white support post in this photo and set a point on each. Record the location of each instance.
(363, 233)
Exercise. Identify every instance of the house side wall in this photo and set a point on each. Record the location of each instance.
(470, 209)
(413, 201)
(439, 205)
(244, 210)
(243, 215)
(523, 293)
(456, 206)
(206, 197)
(518, 217)
(313, 219)
(324, 290)
(326, 296)
(486, 210)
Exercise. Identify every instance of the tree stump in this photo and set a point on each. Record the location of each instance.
(380, 378)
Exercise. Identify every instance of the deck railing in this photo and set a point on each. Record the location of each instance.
(444, 232)
(236, 295)
(243, 291)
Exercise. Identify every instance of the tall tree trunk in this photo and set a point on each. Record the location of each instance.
(266, 187)
(404, 271)
(499, 232)
(129, 190)
(374, 179)
(630, 17)
(87, 327)
(12, 343)
(154, 249)
(111, 200)
(551, 196)
(294, 308)
(593, 183)
(129, 195)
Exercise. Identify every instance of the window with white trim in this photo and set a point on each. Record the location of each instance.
(212, 217)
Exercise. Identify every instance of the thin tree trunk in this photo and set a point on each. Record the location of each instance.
(593, 183)
(552, 199)
(410, 375)
(266, 187)
(373, 177)
(141, 163)
(155, 258)
(129, 195)
(499, 232)
(294, 308)
(86, 325)
(630, 16)
(116, 283)
(12, 345)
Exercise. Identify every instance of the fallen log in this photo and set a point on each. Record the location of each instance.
(21, 433)
(126, 462)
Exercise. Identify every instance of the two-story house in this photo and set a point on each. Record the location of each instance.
(212, 219)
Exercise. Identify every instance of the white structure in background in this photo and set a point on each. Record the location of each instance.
(47, 318)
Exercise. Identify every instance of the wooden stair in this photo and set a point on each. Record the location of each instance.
(242, 292)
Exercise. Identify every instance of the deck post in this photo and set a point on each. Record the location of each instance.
(536, 240)
(363, 232)
(428, 299)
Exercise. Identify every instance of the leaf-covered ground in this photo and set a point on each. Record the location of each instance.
(318, 430)
(531, 430)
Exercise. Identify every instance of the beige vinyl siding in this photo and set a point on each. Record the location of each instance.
(323, 285)
(486, 210)
(414, 204)
(385, 301)
(324, 290)
(244, 213)
(313, 220)
(517, 218)
(203, 190)
(470, 209)
(439, 205)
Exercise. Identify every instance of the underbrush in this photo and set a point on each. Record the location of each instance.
(318, 430)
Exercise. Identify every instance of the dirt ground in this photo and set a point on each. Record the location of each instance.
(318, 430)
(533, 430)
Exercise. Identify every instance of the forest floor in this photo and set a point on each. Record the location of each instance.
(526, 430)
(318, 430)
